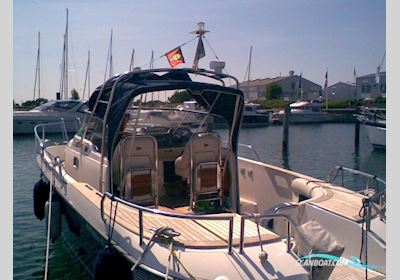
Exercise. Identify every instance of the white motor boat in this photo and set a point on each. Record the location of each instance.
(176, 202)
(375, 122)
(304, 112)
(71, 111)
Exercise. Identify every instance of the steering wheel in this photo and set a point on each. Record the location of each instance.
(182, 134)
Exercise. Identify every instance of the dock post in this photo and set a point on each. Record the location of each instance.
(286, 121)
(357, 132)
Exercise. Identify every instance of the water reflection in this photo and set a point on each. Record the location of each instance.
(285, 159)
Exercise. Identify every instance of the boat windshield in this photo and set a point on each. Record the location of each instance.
(160, 120)
(56, 106)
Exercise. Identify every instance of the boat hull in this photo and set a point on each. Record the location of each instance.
(377, 135)
(277, 189)
(300, 118)
(25, 122)
(255, 120)
(87, 201)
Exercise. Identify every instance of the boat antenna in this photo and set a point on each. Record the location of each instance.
(200, 52)
(131, 65)
(37, 74)
(87, 77)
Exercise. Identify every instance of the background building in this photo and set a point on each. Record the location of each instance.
(257, 89)
(341, 91)
(369, 87)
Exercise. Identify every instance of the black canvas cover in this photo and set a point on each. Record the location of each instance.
(135, 83)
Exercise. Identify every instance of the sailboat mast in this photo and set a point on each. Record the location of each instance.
(37, 72)
(109, 60)
(66, 59)
(251, 52)
(131, 65)
(87, 77)
(151, 67)
(111, 57)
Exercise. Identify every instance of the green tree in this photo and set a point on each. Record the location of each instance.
(75, 94)
(30, 104)
(180, 97)
(274, 91)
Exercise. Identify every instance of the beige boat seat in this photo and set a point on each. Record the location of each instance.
(137, 169)
(200, 165)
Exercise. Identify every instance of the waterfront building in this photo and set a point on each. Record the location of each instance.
(341, 91)
(369, 86)
(291, 90)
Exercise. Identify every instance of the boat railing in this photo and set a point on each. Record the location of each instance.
(141, 210)
(42, 142)
(268, 216)
(375, 194)
(251, 148)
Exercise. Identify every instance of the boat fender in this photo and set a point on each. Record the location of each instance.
(55, 222)
(110, 264)
(40, 196)
(72, 218)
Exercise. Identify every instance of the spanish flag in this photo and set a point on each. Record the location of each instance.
(175, 57)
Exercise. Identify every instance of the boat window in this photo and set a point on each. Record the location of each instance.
(56, 106)
(170, 123)
(84, 108)
(248, 109)
(94, 131)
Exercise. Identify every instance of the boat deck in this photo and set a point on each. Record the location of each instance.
(353, 273)
(193, 233)
(344, 203)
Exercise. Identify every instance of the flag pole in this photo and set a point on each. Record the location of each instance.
(200, 47)
(326, 89)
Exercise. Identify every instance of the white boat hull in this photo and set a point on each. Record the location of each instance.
(276, 189)
(377, 136)
(25, 122)
(203, 263)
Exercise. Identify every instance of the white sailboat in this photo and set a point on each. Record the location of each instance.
(70, 111)
(253, 114)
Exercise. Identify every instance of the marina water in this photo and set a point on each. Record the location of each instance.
(313, 150)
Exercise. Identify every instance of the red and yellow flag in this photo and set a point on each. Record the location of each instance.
(175, 57)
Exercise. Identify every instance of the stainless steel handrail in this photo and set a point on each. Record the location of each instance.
(250, 147)
(338, 168)
(141, 209)
(43, 126)
(379, 198)
(268, 217)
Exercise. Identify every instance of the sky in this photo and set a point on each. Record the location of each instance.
(307, 36)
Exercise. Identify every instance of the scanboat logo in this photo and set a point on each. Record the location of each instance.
(329, 260)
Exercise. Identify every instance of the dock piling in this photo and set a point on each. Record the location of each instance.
(286, 120)
(357, 132)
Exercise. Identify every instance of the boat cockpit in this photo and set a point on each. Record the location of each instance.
(151, 153)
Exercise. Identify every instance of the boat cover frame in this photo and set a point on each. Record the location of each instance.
(129, 85)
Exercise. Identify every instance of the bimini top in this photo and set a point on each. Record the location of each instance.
(115, 95)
